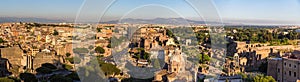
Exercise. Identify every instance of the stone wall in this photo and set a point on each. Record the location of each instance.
(13, 54)
(273, 67)
(284, 69)
(290, 71)
(44, 57)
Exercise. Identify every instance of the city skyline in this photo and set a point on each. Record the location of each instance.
(150, 41)
(230, 11)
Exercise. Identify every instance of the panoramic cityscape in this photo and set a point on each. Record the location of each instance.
(150, 41)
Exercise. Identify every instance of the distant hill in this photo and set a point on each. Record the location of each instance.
(38, 20)
(159, 21)
(174, 21)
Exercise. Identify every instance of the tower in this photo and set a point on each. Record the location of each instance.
(236, 58)
(176, 62)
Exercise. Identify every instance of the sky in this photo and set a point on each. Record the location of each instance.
(234, 11)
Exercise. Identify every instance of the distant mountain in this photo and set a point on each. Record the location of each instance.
(159, 21)
(38, 20)
(174, 21)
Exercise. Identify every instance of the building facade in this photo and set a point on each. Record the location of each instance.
(285, 69)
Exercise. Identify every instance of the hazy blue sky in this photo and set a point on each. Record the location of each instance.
(255, 11)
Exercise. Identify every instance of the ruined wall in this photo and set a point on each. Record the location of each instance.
(13, 54)
(273, 68)
(43, 57)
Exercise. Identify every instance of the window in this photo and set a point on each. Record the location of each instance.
(295, 66)
(290, 73)
(290, 65)
(278, 70)
(295, 74)
(284, 64)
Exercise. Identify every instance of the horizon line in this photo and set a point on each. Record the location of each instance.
(72, 20)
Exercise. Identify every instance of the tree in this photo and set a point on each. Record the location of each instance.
(1, 40)
(43, 70)
(71, 60)
(109, 69)
(73, 76)
(244, 76)
(270, 79)
(49, 65)
(28, 77)
(131, 79)
(74, 59)
(55, 33)
(60, 78)
(91, 47)
(99, 29)
(46, 68)
(226, 80)
(203, 58)
(285, 41)
(262, 78)
(67, 67)
(99, 50)
(68, 54)
(169, 33)
(138, 56)
(5, 79)
(146, 55)
(77, 60)
(109, 45)
(80, 50)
